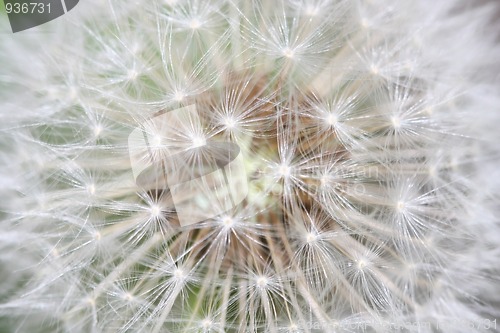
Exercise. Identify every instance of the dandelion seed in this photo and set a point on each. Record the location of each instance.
(262, 281)
(230, 123)
(228, 222)
(155, 212)
(198, 142)
(132, 75)
(206, 324)
(91, 189)
(284, 171)
(195, 24)
(287, 52)
(179, 274)
(97, 131)
(331, 120)
(310, 238)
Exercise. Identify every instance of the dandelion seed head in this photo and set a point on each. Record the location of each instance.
(396, 122)
(284, 170)
(311, 237)
(311, 10)
(97, 130)
(288, 53)
(362, 264)
(206, 323)
(331, 119)
(179, 96)
(91, 189)
(230, 123)
(228, 221)
(198, 141)
(401, 206)
(157, 141)
(262, 282)
(155, 211)
(325, 180)
(128, 297)
(195, 24)
(370, 173)
(179, 274)
(132, 74)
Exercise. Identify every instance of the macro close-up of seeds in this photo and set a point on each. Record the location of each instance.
(250, 166)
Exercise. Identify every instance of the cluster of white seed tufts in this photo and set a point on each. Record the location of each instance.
(368, 134)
